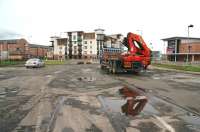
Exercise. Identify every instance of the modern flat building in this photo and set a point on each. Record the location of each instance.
(113, 41)
(18, 49)
(183, 49)
(75, 42)
(100, 36)
(59, 47)
(89, 45)
(78, 45)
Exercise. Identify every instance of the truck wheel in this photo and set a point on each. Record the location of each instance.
(110, 70)
(114, 67)
(102, 67)
(110, 67)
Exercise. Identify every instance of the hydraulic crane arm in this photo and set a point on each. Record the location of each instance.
(132, 40)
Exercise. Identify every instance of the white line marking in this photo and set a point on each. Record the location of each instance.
(165, 124)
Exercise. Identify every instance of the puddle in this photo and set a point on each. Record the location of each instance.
(191, 119)
(80, 62)
(156, 78)
(132, 102)
(8, 92)
(86, 79)
(2, 76)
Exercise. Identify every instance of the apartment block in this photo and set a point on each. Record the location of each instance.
(84, 45)
(59, 47)
(113, 41)
(75, 42)
(89, 45)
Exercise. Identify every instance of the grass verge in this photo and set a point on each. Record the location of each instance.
(10, 63)
(178, 67)
(54, 62)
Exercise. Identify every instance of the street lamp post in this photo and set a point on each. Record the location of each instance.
(189, 47)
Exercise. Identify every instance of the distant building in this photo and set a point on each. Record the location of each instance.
(183, 49)
(18, 49)
(100, 40)
(78, 44)
(59, 47)
(156, 55)
(39, 51)
(89, 45)
(113, 41)
(75, 42)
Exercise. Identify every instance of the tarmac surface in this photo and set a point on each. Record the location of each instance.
(83, 98)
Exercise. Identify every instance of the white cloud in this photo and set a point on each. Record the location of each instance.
(156, 18)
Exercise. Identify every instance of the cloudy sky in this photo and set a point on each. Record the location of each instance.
(37, 20)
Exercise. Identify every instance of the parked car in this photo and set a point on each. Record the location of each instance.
(34, 62)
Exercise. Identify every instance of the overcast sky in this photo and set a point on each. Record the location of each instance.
(37, 20)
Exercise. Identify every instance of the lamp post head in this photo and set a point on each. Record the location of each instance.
(190, 26)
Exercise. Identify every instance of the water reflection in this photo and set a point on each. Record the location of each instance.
(135, 101)
(131, 103)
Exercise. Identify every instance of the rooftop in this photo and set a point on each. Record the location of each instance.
(74, 31)
(178, 38)
(62, 38)
(99, 29)
(11, 41)
(38, 46)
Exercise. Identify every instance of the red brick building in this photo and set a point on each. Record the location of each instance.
(18, 49)
(183, 49)
(38, 50)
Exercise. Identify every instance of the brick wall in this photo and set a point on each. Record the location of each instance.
(195, 48)
(21, 49)
(38, 52)
(17, 49)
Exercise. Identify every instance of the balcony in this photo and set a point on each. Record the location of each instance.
(79, 44)
(79, 39)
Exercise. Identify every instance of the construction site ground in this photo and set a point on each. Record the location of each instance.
(83, 98)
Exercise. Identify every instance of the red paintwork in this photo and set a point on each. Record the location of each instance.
(132, 55)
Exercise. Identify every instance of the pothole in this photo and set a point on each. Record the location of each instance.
(86, 79)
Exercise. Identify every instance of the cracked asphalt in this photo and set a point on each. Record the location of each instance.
(83, 98)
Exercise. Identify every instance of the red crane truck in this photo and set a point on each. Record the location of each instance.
(135, 59)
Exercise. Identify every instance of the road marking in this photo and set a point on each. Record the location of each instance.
(165, 124)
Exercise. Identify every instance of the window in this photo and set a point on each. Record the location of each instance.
(85, 42)
(90, 47)
(75, 52)
(85, 47)
(17, 49)
(90, 52)
(85, 52)
(60, 48)
(75, 47)
(74, 42)
(74, 37)
(90, 42)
